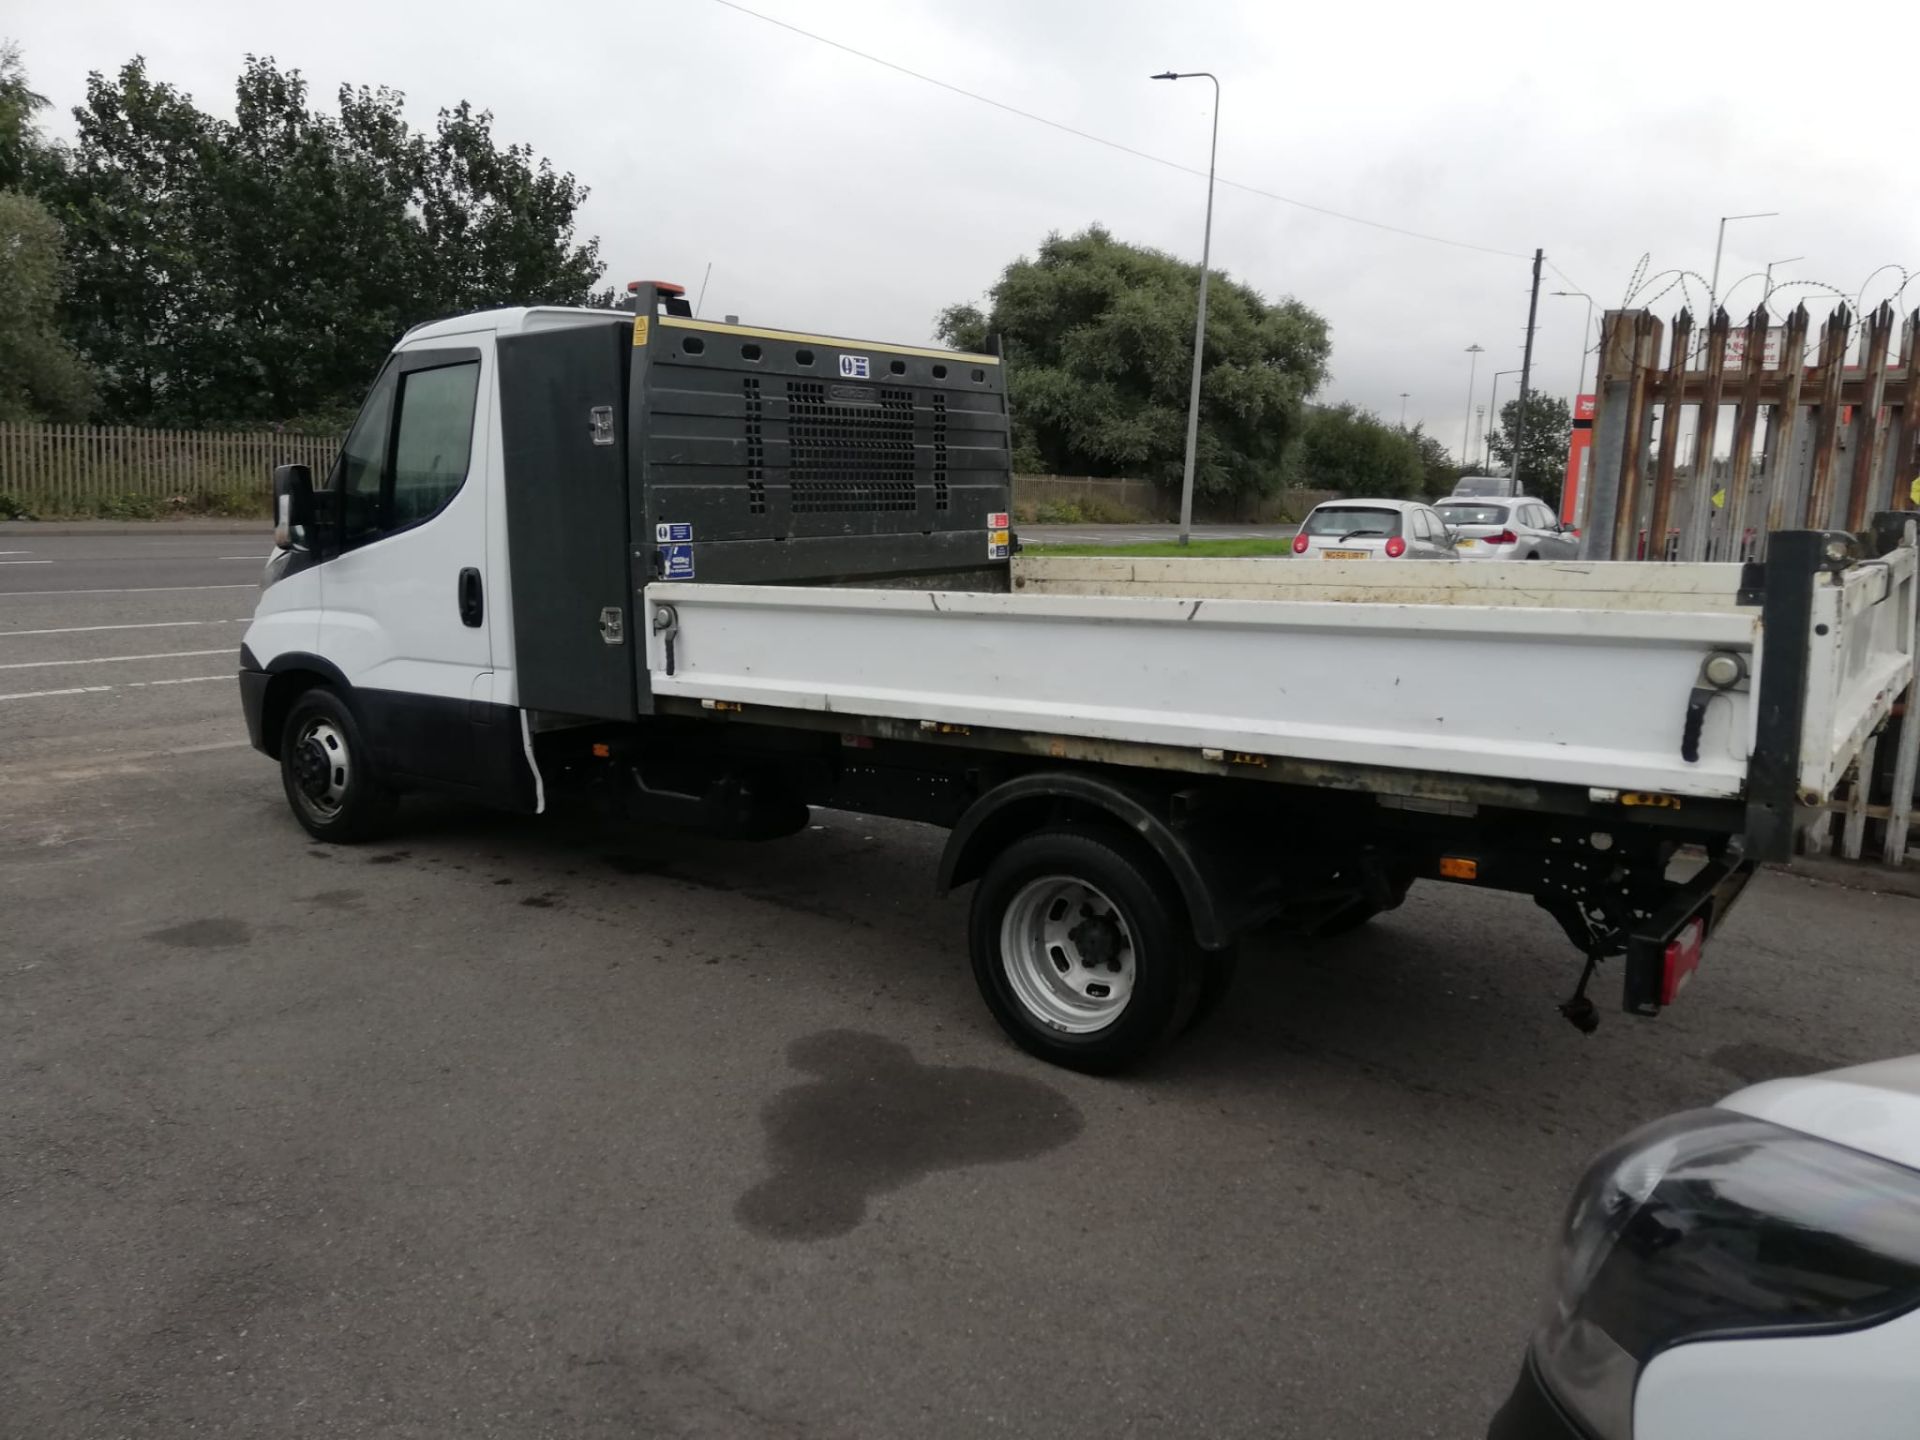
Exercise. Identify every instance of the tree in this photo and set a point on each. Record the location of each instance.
(256, 270)
(1543, 461)
(1098, 338)
(1345, 448)
(1436, 462)
(19, 136)
(40, 376)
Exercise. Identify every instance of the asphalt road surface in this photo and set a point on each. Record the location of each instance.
(519, 1128)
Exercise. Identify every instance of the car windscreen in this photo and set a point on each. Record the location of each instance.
(1353, 521)
(1473, 514)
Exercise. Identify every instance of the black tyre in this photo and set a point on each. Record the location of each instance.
(1082, 951)
(328, 774)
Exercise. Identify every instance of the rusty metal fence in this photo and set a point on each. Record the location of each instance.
(60, 471)
(1821, 436)
(1818, 440)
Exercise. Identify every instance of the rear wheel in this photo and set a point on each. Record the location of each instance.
(326, 773)
(1081, 950)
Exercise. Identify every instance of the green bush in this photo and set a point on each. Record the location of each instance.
(1090, 511)
(12, 509)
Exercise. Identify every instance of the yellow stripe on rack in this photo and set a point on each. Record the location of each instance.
(681, 322)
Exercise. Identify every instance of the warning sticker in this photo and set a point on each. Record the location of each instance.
(854, 367)
(999, 535)
(678, 533)
(676, 562)
(639, 330)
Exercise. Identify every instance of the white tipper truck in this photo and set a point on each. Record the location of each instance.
(710, 574)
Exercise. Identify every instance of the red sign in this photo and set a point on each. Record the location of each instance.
(1582, 408)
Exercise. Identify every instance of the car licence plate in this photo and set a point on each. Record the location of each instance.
(1464, 540)
(1344, 554)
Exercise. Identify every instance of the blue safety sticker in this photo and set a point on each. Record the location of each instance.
(678, 533)
(678, 562)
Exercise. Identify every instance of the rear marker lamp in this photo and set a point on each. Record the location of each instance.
(1396, 547)
(1300, 543)
(1458, 867)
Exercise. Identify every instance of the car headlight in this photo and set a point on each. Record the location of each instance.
(1713, 1225)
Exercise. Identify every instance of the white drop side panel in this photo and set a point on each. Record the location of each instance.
(1586, 697)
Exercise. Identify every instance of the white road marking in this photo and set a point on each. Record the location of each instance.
(26, 562)
(254, 559)
(16, 552)
(102, 689)
(143, 590)
(110, 659)
(41, 694)
(137, 625)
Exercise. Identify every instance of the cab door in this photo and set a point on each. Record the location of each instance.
(404, 593)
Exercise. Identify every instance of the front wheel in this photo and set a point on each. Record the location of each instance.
(1081, 950)
(325, 770)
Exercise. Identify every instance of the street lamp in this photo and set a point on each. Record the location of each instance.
(1474, 353)
(1766, 292)
(1200, 316)
(1403, 408)
(1585, 331)
(1713, 285)
(1493, 408)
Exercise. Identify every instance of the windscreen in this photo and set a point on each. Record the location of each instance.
(1473, 514)
(1353, 521)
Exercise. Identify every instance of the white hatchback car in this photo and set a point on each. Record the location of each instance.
(1750, 1270)
(1373, 530)
(1518, 528)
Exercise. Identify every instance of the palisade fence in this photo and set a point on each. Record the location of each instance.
(63, 471)
(1820, 437)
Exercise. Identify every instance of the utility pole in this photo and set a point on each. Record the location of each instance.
(1403, 408)
(1526, 373)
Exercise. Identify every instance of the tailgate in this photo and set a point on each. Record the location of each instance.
(1860, 657)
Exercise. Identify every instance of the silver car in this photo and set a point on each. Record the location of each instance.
(1373, 530)
(1518, 529)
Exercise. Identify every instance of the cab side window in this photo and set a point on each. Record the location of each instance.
(1422, 530)
(355, 480)
(408, 453)
(432, 442)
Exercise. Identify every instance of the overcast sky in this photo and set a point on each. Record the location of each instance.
(829, 192)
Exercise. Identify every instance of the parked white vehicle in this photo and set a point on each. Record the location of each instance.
(1520, 528)
(706, 574)
(1373, 530)
(1749, 1270)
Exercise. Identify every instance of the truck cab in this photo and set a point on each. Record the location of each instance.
(471, 566)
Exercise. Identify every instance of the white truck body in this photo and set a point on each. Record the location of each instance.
(715, 574)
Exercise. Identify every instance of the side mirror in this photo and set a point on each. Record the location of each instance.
(292, 506)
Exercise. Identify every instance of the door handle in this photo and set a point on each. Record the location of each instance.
(472, 606)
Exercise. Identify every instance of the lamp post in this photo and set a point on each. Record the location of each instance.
(1585, 331)
(1713, 285)
(1200, 316)
(1466, 426)
(1493, 409)
(1766, 292)
(1403, 408)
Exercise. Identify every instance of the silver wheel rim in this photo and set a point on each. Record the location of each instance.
(322, 767)
(1068, 954)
